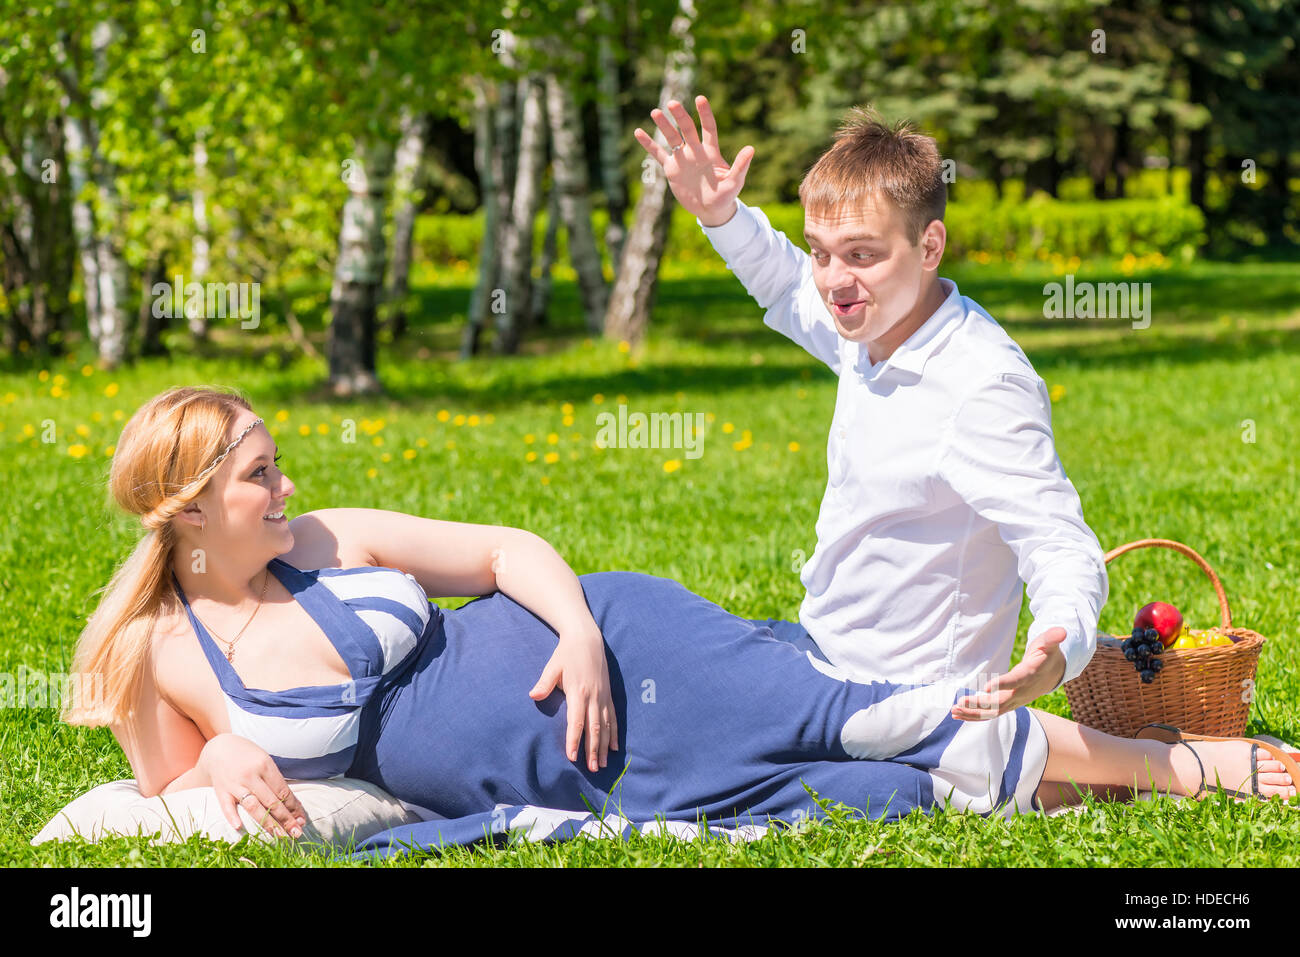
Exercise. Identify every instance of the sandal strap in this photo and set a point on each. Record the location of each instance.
(1201, 765)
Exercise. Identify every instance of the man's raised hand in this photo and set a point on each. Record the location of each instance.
(703, 182)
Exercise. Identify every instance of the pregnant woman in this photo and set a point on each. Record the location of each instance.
(238, 650)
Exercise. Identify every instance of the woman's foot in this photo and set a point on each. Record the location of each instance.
(1230, 761)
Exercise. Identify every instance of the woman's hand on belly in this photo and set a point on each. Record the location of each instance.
(579, 668)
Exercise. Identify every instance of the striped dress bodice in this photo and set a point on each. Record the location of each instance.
(376, 618)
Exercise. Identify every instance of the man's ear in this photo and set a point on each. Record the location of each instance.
(933, 241)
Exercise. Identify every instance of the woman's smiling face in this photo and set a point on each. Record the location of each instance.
(868, 270)
(246, 489)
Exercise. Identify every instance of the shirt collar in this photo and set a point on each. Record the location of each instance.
(912, 354)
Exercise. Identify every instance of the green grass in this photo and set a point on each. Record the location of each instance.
(1149, 428)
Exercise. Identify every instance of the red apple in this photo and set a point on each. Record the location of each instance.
(1164, 618)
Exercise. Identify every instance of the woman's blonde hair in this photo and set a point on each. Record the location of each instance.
(165, 458)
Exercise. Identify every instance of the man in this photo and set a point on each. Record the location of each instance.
(944, 491)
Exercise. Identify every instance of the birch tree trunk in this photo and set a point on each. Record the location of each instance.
(488, 162)
(542, 288)
(638, 272)
(609, 116)
(497, 129)
(517, 245)
(410, 153)
(570, 173)
(104, 272)
(359, 272)
(200, 247)
(36, 250)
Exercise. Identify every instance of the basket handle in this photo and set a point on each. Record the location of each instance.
(1225, 615)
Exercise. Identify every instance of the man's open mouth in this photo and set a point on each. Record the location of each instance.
(844, 309)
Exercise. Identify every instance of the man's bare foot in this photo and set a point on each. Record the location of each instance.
(1230, 761)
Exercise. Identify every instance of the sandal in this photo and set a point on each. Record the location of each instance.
(1168, 734)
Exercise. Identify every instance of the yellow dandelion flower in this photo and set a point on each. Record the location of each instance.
(472, 420)
(1057, 393)
(56, 391)
(621, 399)
(10, 397)
(624, 346)
(304, 429)
(87, 369)
(728, 427)
(371, 473)
(552, 458)
(567, 420)
(60, 379)
(747, 435)
(546, 480)
(598, 398)
(43, 375)
(77, 451)
(459, 420)
(323, 428)
(28, 430)
(109, 450)
(530, 457)
(741, 445)
(552, 439)
(379, 424)
(377, 440)
(422, 442)
(386, 457)
(282, 415)
(443, 415)
(118, 415)
(529, 439)
(672, 465)
(97, 416)
(793, 446)
(566, 409)
(83, 430)
(409, 454)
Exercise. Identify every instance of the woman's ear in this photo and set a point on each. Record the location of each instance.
(192, 515)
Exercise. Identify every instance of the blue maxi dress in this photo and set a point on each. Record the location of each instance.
(725, 723)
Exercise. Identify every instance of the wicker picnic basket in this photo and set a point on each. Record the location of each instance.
(1199, 690)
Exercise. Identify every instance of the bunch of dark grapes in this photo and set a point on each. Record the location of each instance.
(1141, 649)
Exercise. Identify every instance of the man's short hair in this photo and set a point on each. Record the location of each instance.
(870, 159)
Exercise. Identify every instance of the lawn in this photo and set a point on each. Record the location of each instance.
(1153, 427)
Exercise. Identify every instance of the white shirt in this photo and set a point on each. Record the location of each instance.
(944, 490)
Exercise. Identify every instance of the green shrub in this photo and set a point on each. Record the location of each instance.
(1035, 229)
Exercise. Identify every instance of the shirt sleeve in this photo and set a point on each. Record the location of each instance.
(1000, 457)
(778, 275)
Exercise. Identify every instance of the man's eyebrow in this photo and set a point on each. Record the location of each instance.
(847, 239)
